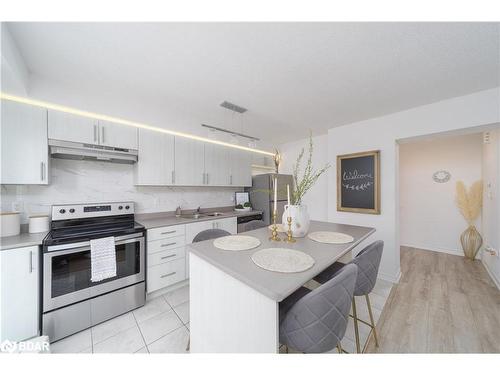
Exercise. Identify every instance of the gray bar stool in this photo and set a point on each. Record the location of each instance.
(209, 234)
(368, 262)
(315, 321)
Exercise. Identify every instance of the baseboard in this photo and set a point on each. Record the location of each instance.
(390, 278)
(492, 275)
(167, 289)
(437, 250)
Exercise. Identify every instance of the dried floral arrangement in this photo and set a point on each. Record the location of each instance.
(470, 202)
(308, 178)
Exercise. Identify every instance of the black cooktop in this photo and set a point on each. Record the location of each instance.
(80, 230)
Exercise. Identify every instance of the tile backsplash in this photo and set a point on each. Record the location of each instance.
(75, 181)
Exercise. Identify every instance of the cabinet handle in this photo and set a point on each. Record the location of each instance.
(168, 256)
(230, 179)
(173, 177)
(207, 178)
(168, 274)
(169, 232)
(42, 171)
(102, 131)
(203, 177)
(95, 134)
(168, 244)
(31, 262)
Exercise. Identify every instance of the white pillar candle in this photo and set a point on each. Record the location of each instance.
(275, 195)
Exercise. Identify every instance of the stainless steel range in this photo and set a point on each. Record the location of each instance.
(71, 302)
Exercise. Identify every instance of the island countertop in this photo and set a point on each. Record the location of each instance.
(275, 285)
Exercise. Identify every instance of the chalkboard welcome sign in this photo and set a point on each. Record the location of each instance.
(358, 183)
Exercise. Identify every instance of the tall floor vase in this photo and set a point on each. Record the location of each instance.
(471, 242)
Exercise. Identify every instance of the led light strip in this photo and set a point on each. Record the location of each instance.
(96, 116)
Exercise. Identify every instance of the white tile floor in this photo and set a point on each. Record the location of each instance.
(162, 326)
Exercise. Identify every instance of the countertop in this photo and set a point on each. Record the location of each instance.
(22, 240)
(275, 285)
(148, 220)
(157, 220)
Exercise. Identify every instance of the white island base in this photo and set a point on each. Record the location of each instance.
(227, 316)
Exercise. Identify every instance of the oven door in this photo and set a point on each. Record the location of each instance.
(67, 271)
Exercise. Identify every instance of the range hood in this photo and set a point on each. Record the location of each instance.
(83, 151)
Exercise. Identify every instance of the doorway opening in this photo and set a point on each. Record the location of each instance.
(444, 302)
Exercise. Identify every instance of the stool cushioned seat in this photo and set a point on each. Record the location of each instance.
(317, 322)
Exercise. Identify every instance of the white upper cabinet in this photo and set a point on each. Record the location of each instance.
(155, 164)
(189, 162)
(19, 293)
(241, 168)
(117, 135)
(217, 165)
(68, 127)
(24, 144)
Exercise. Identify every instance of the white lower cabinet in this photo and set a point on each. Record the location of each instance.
(19, 293)
(166, 274)
(229, 225)
(168, 256)
(166, 252)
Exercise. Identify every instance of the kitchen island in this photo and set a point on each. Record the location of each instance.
(234, 304)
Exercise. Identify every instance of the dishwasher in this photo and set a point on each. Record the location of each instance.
(245, 219)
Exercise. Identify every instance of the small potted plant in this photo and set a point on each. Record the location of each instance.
(243, 207)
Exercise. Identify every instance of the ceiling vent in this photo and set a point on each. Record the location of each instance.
(233, 107)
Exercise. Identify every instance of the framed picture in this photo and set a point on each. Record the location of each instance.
(358, 182)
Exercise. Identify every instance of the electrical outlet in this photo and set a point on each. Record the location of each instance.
(492, 251)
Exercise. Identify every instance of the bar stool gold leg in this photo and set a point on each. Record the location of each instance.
(372, 320)
(356, 328)
(339, 348)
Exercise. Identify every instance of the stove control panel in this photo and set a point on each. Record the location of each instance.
(79, 211)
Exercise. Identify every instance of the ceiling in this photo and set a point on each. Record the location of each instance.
(291, 76)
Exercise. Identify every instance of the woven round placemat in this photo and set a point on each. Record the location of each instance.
(236, 243)
(330, 237)
(282, 260)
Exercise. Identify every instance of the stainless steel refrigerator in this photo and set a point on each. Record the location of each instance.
(262, 194)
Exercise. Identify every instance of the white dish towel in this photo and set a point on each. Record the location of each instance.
(103, 258)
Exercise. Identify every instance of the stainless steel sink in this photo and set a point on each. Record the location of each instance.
(192, 216)
(215, 214)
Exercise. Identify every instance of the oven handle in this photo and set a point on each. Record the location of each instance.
(85, 246)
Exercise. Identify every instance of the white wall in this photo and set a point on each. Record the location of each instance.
(381, 133)
(316, 197)
(491, 205)
(75, 181)
(429, 218)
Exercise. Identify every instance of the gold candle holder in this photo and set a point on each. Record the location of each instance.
(274, 230)
(289, 238)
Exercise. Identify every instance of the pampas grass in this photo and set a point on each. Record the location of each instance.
(470, 202)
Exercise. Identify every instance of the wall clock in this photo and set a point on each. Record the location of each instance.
(441, 177)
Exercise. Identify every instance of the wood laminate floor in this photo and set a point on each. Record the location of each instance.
(443, 304)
